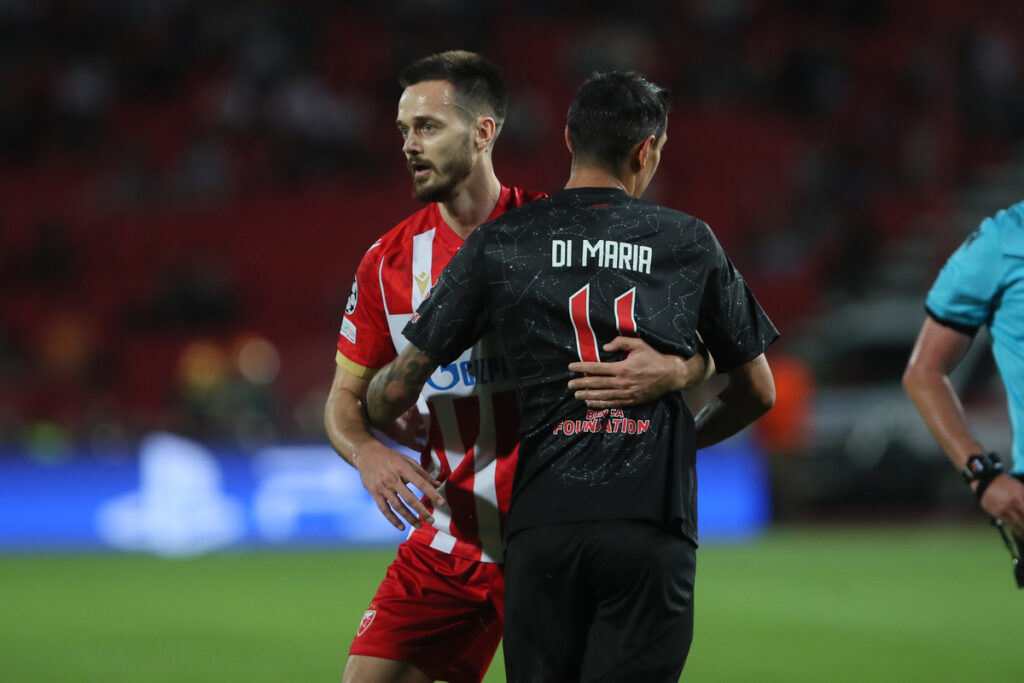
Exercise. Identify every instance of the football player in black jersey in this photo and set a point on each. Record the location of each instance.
(601, 531)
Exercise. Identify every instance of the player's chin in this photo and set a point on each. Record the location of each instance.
(434, 193)
(431, 192)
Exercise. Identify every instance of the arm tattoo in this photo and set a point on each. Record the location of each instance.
(395, 388)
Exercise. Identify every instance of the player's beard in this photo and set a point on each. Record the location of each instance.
(444, 178)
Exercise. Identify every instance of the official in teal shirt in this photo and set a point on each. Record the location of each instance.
(982, 283)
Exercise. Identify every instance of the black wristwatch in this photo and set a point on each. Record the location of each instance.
(982, 469)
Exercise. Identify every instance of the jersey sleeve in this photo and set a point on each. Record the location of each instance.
(364, 341)
(732, 323)
(456, 314)
(963, 293)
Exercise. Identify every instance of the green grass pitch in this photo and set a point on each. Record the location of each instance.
(826, 604)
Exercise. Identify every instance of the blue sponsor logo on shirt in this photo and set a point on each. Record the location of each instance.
(470, 372)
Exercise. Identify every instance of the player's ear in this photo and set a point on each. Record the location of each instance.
(568, 140)
(638, 156)
(486, 129)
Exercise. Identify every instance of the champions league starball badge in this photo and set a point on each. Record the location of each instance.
(353, 298)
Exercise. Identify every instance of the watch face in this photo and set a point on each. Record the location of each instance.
(982, 467)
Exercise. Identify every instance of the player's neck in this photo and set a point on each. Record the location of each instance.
(588, 176)
(472, 204)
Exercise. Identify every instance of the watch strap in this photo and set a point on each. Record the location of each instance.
(982, 469)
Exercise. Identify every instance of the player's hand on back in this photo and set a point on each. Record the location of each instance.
(1004, 500)
(387, 474)
(641, 376)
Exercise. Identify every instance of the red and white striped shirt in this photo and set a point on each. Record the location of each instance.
(471, 405)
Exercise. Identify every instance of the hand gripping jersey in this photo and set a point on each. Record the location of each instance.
(559, 278)
(469, 403)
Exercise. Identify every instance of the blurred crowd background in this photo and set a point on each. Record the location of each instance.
(186, 188)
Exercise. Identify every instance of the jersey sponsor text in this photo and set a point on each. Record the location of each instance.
(613, 421)
(471, 372)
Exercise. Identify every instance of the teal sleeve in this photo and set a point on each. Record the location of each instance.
(964, 293)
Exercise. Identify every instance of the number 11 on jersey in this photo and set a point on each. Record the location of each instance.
(579, 314)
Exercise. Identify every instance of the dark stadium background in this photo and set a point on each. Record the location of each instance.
(186, 188)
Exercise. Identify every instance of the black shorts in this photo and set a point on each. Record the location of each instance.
(598, 601)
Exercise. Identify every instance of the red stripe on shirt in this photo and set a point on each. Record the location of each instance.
(579, 310)
(506, 443)
(461, 499)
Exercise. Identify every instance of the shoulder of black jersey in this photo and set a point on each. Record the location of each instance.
(681, 219)
(682, 216)
(515, 215)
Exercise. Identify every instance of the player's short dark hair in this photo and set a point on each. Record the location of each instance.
(611, 112)
(479, 85)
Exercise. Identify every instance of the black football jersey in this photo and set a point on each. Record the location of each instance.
(559, 278)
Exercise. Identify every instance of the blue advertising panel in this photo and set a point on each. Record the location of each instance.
(178, 497)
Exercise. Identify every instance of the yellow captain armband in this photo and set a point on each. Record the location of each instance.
(354, 368)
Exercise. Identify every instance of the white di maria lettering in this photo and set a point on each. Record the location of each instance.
(613, 421)
(605, 253)
(561, 253)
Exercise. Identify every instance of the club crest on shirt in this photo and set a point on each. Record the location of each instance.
(366, 621)
(422, 281)
(353, 298)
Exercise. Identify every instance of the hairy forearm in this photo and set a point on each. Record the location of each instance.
(693, 371)
(708, 368)
(689, 372)
(395, 388)
(345, 422)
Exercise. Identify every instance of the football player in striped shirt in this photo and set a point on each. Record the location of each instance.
(438, 613)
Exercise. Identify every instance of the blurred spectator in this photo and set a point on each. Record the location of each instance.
(527, 124)
(318, 131)
(991, 96)
(813, 79)
(611, 45)
(83, 95)
(134, 181)
(205, 172)
(274, 120)
(227, 390)
(68, 350)
(53, 259)
(196, 293)
(787, 431)
(69, 370)
(13, 358)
